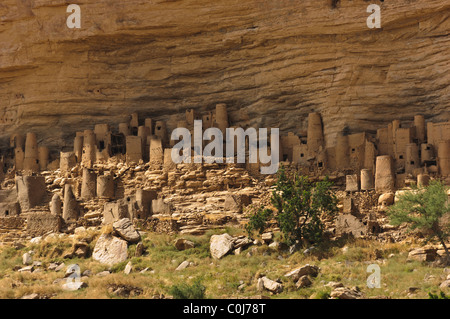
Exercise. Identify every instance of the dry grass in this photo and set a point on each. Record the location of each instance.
(234, 276)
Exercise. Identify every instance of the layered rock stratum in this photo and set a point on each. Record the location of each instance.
(271, 62)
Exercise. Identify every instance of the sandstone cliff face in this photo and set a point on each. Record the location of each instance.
(271, 62)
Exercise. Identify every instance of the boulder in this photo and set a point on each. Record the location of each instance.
(110, 250)
(303, 282)
(265, 283)
(422, 254)
(125, 229)
(80, 249)
(220, 245)
(306, 270)
(183, 244)
(346, 293)
(445, 284)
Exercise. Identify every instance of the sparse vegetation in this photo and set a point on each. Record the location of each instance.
(219, 278)
(185, 291)
(441, 295)
(301, 207)
(423, 208)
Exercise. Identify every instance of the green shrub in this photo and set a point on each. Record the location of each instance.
(441, 295)
(301, 206)
(185, 291)
(258, 221)
(423, 208)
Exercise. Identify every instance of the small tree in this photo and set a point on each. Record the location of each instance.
(301, 205)
(423, 209)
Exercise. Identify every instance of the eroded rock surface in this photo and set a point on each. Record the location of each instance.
(272, 62)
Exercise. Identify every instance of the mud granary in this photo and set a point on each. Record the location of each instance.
(127, 171)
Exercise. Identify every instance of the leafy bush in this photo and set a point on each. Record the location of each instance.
(441, 295)
(259, 220)
(185, 291)
(423, 209)
(301, 206)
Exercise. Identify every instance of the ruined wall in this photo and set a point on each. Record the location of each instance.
(271, 62)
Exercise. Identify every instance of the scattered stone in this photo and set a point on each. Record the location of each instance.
(26, 269)
(58, 280)
(87, 273)
(220, 245)
(258, 242)
(272, 286)
(128, 268)
(79, 230)
(103, 273)
(445, 284)
(303, 282)
(183, 265)
(334, 284)
(36, 240)
(18, 245)
(386, 199)
(309, 250)
(306, 270)
(80, 249)
(422, 254)
(71, 270)
(275, 245)
(60, 267)
(241, 242)
(346, 293)
(110, 250)
(124, 291)
(144, 270)
(293, 248)
(31, 296)
(183, 244)
(412, 290)
(267, 237)
(125, 229)
(27, 258)
(139, 249)
(237, 251)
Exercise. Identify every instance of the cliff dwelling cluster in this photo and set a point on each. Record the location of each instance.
(113, 173)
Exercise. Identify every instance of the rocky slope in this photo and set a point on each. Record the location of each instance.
(272, 62)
